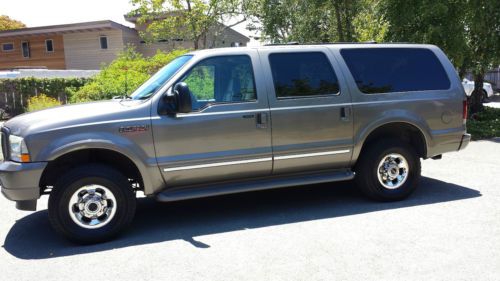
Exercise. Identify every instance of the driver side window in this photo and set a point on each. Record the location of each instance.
(225, 79)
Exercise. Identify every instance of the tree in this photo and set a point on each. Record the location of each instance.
(6, 23)
(191, 20)
(482, 30)
(370, 23)
(316, 21)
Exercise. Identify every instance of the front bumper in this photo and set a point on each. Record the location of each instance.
(20, 181)
(465, 141)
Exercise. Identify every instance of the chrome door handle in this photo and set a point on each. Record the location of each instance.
(261, 120)
(345, 113)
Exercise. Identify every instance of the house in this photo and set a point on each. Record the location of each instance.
(87, 45)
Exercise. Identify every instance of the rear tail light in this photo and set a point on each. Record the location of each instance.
(464, 113)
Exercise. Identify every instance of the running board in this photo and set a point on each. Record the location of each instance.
(191, 192)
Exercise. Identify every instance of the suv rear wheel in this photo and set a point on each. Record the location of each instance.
(389, 170)
(91, 204)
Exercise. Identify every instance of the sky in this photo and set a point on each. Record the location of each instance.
(51, 12)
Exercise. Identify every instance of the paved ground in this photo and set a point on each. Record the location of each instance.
(449, 230)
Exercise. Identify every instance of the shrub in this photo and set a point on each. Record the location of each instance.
(41, 102)
(123, 75)
(14, 93)
(485, 124)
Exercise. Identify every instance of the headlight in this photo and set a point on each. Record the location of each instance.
(18, 149)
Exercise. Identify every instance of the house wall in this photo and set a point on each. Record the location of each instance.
(226, 38)
(39, 57)
(131, 37)
(83, 49)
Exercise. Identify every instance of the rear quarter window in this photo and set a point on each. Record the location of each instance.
(388, 70)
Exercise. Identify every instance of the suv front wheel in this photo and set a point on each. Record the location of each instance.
(388, 170)
(91, 204)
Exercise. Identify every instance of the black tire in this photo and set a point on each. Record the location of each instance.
(367, 170)
(484, 97)
(68, 184)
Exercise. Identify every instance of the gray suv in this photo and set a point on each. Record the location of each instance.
(223, 121)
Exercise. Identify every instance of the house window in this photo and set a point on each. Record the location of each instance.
(25, 46)
(49, 45)
(7, 47)
(104, 42)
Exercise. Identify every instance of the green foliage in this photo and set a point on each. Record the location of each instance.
(123, 75)
(485, 124)
(370, 23)
(317, 20)
(41, 102)
(6, 23)
(16, 92)
(201, 82)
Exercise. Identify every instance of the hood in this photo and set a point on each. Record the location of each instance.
(68, 115)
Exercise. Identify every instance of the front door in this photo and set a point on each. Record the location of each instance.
(228, 133)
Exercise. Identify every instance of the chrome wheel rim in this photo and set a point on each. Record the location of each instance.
(393, 171)
(92, 206)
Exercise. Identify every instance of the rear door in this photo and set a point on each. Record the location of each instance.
(310, 110)
(227, 135)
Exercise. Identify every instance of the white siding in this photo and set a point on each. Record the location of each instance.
(82, 50)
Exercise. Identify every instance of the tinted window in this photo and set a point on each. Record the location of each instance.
(7, 47)
(104, 42)
(224, 79)
(386, 70)
(49, 46)
(302, 75)
(26, 49)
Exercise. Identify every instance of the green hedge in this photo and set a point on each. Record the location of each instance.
(123, 75)
(14, 93)
(485, 124)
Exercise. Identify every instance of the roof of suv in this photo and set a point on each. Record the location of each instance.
(314, 46)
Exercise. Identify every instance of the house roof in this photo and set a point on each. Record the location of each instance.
(65, 28)
(134, 16)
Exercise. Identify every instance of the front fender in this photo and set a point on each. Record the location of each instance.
(145, 163)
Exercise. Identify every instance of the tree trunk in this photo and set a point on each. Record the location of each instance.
(348, 25)
(193, 27)
(462, 71)
(338, 16)
(475, 101)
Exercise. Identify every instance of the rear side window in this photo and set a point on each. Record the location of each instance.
(302, 75)
(386, 70)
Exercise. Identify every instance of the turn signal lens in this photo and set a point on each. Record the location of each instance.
(25, 158)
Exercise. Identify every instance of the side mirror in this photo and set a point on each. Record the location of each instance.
(179, 101)
(183, 97)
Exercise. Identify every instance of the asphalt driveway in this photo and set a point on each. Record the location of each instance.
(449, 230)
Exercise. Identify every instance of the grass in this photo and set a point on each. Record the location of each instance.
(485, 124)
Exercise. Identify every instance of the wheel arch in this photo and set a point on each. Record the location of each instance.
(401, 129)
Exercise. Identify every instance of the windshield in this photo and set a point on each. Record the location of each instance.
(156, 81)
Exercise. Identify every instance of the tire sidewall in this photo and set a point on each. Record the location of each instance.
(62, 193)
(413, 172)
